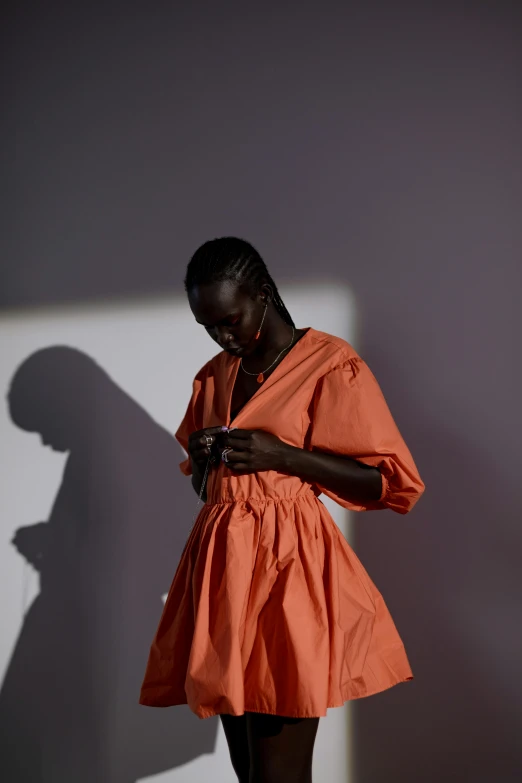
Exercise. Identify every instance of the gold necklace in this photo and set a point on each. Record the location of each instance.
(261, 376)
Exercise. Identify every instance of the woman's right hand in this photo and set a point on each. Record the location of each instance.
(198, 449)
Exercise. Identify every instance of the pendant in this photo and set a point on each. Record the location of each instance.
(260, 378)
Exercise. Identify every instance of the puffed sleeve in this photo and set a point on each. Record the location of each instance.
(192, 420)
(350, 418)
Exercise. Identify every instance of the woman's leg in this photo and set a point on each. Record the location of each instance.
(280, 748)
(235, 728)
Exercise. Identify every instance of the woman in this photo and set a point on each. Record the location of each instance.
(271, 618)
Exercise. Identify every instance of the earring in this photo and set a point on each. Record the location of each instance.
(260, 326)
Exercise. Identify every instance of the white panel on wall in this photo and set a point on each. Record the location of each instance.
(150, 350)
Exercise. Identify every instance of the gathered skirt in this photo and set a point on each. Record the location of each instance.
(271, 611)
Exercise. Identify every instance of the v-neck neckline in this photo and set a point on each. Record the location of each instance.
(235, 371)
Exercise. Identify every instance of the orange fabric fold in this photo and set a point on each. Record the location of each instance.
(351, 419)
(189, 423)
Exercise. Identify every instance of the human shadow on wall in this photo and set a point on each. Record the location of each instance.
(69, 703)
(449, 573)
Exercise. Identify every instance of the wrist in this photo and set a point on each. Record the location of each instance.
(198, 465)
(288, 458)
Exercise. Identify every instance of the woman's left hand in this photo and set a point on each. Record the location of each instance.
(255, 450)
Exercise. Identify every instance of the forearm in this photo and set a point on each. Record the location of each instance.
(345, 476)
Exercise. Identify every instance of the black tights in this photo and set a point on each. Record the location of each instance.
(270, 748)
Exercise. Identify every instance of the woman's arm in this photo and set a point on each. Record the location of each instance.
(257, 450)
(342, 475)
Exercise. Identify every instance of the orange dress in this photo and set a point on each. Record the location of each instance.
(270, 609)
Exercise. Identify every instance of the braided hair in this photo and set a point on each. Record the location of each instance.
(229, 258)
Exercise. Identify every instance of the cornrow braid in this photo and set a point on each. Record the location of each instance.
(229, 258)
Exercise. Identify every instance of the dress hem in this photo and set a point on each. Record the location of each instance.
(203, 714)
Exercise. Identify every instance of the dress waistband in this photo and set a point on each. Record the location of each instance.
(306, 493)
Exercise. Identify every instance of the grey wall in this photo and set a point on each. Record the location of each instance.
(374, 143)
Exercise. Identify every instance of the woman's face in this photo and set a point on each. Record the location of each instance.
(229, 315)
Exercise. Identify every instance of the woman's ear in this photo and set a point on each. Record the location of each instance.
(267, 293)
